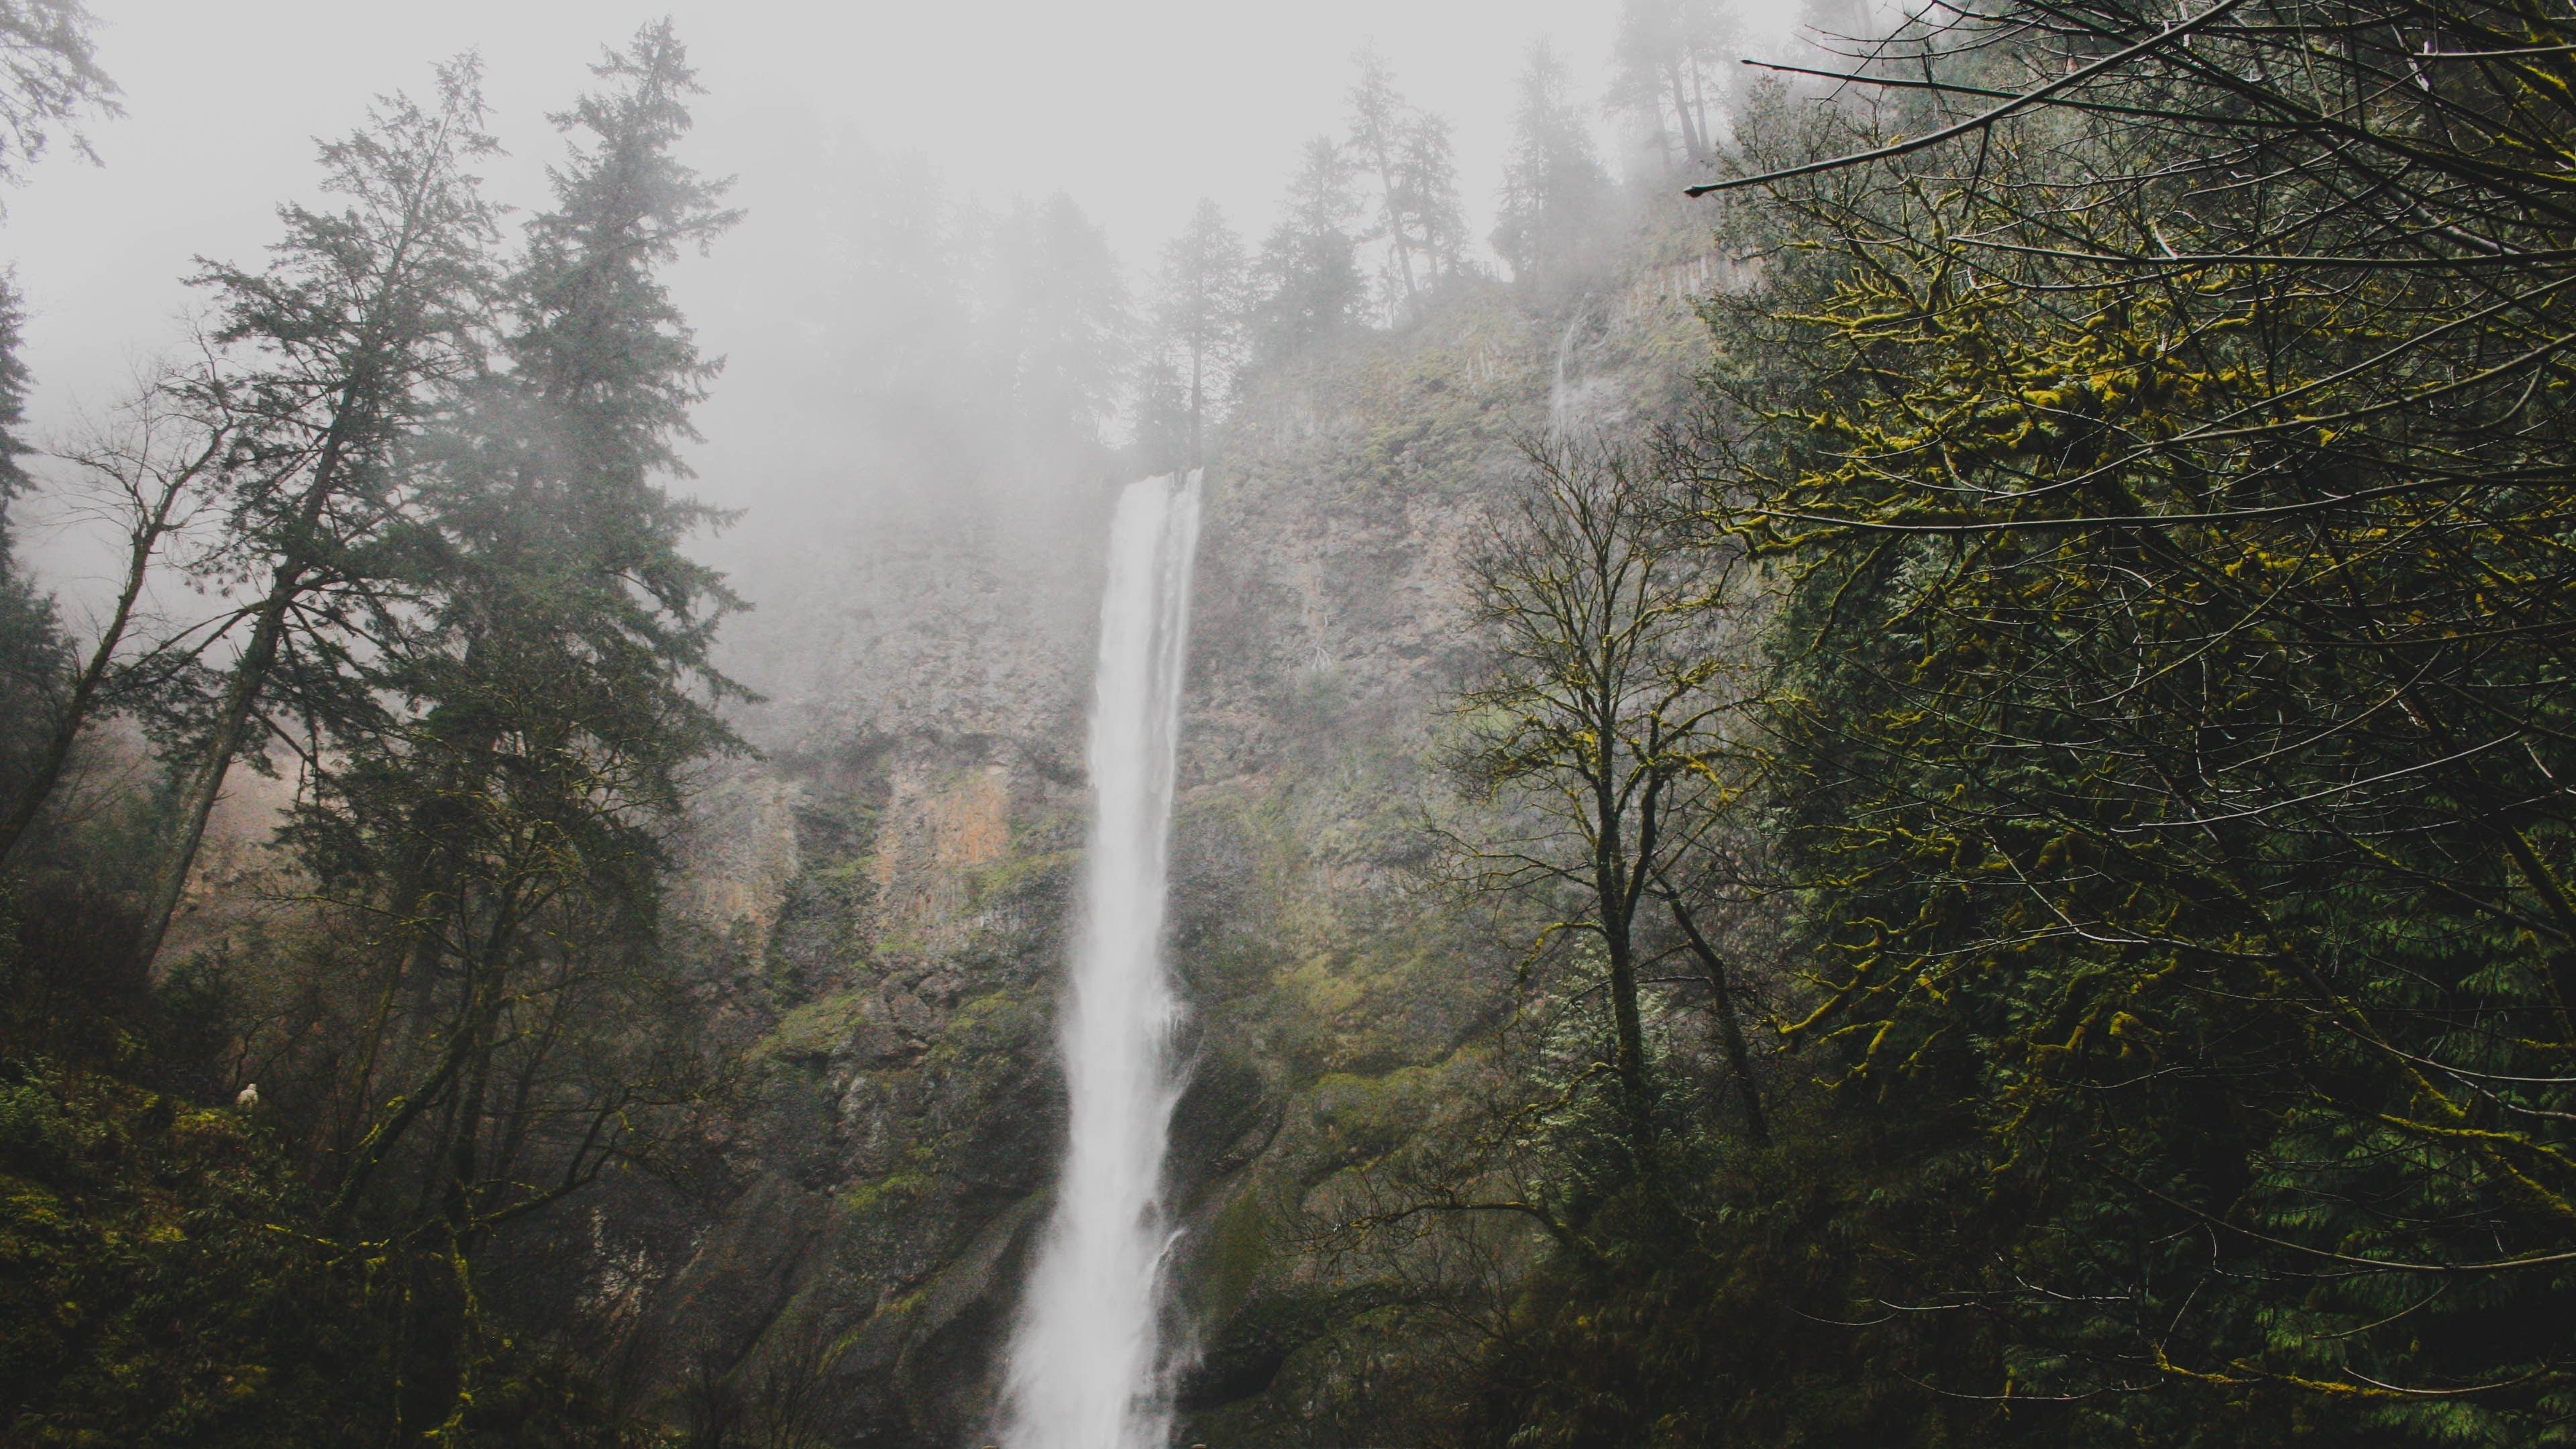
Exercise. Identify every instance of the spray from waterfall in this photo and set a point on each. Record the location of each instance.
(1086, 1369)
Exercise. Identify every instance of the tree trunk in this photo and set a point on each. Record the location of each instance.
(1699, 114)
(462, 1354)
(241, 695)
(75, 713)
(1630, 1056)
(1617, 907)
(250, 675)
(2536, 874)
(1396, 231)
(149, 530)
(1739, 1065)
(1693, 144)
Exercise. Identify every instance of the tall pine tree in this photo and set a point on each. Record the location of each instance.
(358, 331)
(1408, 157)
(504, 827)
(33, 653)
(1554, 190)
(1199, 305)
(1308, 275)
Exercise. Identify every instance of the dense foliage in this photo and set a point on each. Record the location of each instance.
(426, 481)
(2154, 421)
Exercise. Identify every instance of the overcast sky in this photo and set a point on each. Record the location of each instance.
(1134, 107)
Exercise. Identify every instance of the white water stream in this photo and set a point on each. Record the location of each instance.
(1086, 1369)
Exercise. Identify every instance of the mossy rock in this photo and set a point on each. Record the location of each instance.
(810, 1033)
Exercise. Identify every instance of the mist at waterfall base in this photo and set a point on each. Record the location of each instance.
(1086, 1368)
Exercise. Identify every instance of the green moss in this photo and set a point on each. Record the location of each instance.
(889, 1193)
(814, 1029)
(1235, 1256)
(982, 1033)
(1323, 987)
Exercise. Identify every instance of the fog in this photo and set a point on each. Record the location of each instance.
(856, 133)
(1136, 109)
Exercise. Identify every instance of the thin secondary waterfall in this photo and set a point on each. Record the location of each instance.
(1558, 398)
(1086, 1364)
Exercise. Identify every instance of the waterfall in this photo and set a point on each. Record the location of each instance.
(1086, 1366)
(1559, 398)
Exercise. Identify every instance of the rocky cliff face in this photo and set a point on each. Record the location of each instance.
(881, 903)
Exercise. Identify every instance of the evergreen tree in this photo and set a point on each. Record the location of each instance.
(465, 607)
(49, 77)
(1375, 138)
(1554, 190)
(1308, 275)
(34, 655)
(359, 330)
(904, 321)
(1199, 313)
(1058, 330)
(1407, 154)
(1668, 69)
(1426, 174)
(1161, 402)
(504, 826)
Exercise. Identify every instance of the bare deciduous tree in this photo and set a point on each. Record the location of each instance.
(1599, 720)
(145, 474)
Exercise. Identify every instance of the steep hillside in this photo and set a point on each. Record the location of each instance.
(882, 902)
